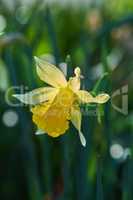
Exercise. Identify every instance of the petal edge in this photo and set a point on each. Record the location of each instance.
(37, 96)
(50, 73)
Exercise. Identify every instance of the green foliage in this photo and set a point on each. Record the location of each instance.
(44, 168)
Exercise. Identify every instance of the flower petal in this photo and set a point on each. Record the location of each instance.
(53, 116)
(86, 97)
(101, 98)
(37, 96)
(76, 121)
(50, 118)
(39, 132)
(50, 73)
(74, 83)
(82, 139)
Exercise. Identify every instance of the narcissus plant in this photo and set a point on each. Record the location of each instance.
(55, 106)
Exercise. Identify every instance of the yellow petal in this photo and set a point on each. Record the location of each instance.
(74, 83)
(77, 72)
(37, 96)
(86, 97)
(76, 121)
(50, 73)
(53, 117)
(101, 98)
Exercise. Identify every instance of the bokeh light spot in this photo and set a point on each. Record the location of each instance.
(116, 151)
(10, 118)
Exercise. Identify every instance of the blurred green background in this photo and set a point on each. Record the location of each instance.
(97, 36)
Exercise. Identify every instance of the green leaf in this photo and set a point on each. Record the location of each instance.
(100, 111)
(99, 83)
(4, 79)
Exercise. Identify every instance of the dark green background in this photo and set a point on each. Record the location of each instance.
(43, 168)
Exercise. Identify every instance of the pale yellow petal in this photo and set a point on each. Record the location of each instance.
(74, 83)
(77, 72)
(50, 73)
(39, 132)
(76, 121)
(86, 97)
(101, 98)
(37, 96)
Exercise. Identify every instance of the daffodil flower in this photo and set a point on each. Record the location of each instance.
(55, 106)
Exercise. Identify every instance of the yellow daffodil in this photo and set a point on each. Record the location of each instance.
(53, 107)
